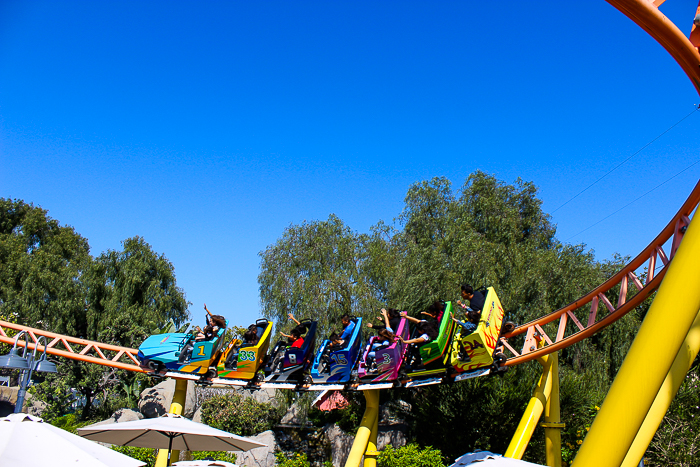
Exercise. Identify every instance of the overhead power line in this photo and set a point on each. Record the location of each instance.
(697, 107)
(632, 202)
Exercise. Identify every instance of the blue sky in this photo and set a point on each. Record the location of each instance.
(209, 127)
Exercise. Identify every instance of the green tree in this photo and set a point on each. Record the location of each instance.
(48, 280)
(315, 272)
(41, 267)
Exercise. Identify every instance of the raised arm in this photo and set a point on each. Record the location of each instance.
(404, 314)
(291, 316)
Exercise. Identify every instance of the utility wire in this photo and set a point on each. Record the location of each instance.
(697, 107)
(626, 205)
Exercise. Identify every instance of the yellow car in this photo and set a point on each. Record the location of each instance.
(475, 350)
(241, 361)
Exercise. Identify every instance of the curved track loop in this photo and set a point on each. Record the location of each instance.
(647, 16)
(625, 284)
(73, 348)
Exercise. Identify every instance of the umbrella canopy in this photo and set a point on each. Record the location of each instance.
(489, 459)
(168, 432)
(26, 440)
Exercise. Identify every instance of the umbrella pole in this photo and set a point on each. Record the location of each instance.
(176, 407)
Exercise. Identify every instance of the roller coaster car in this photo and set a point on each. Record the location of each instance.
(476, 350)
(179, 352)
(336, 365)
(434, 356)
(291, 363)
(387, 361)
(242, 361)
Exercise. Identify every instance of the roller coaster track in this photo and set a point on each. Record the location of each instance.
(626, 285)
(627, 289)
(629, 285)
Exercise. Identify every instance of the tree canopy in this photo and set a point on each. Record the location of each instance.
(487, 232)
(49, 280)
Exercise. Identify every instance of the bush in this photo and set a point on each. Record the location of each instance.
(239, 415)
(295, 460)
(147, 455)
(410, 456)
(214, 455)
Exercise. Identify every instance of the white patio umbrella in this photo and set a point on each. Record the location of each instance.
(168, 432)
(26, 440)
(489, 459)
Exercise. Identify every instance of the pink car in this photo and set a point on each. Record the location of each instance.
(387, 361)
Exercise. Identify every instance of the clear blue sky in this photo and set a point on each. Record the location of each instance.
(209, 127)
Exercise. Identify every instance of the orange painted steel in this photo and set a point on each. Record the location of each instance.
(653, 256)
(73, 348)
(647, 16)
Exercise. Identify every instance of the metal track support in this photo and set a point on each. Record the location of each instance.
(542, 401)
(669, 388)
(177, 407)
(648, 361)
(366, 439)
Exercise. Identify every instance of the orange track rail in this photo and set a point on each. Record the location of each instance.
(73, 348)
(631, 293)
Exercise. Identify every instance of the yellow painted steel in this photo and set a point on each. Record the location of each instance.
(366, 432)
(649, 359)
(479, 345)
(176, 407)
(552, 417)
(669, 388)
(534, 409)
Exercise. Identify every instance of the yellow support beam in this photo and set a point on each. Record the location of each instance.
(669, 388)
(176, 406)
(648, 361)
(366, 438)
(552, 417)
(535, 408)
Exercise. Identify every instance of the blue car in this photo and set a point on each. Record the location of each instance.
(180, 352)
(293, 363)
(336, 365)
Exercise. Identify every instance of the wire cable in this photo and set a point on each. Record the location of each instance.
(632, 202)
(697, 107)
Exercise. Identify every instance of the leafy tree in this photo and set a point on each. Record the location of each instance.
(48, 280)
(315, 272)
(239, 415)
(41, 266)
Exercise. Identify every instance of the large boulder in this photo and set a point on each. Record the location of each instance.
(260, 457)
(156, 401)
(122, 415)
(340, 443)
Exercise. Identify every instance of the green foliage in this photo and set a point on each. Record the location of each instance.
(291, 460)
(239, 415)
(677, 441)
(71, 422)
(214, 455)
(48, 280)
(487, 232)
(147, 455)
(314, 271)
(410, 455)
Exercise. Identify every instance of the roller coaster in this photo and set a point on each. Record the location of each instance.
(646, 382)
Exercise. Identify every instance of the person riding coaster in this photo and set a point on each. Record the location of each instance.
(337, 357)
(291, 359)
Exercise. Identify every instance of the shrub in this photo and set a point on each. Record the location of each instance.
(147, 455)
(410, 456)
(239, 415)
